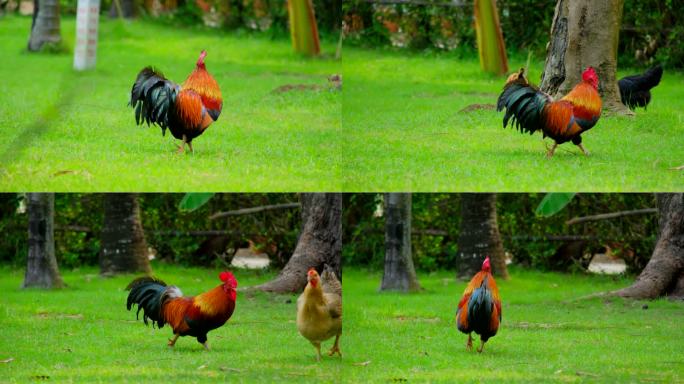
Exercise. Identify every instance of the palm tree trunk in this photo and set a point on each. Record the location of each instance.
(45, 26)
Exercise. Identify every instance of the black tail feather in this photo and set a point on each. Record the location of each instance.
(153, 97)
(147, 293)
(524, 105)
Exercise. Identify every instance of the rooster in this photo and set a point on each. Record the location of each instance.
(562, 120)
(188, 316)
(635, 90)
(479, 310)
(186, 109)
(319, 310)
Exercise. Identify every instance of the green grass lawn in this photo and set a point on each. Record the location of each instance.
(69, 131)
(84, 334)
(405, 131)
(545, 336)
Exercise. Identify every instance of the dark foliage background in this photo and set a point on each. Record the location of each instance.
(79, 220)
(436, 220)
(652, 30)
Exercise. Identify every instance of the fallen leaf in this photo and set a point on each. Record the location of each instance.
(558, 371)
(680, 168)
(363, 363)
(202, 366)
(7, 360)
(64, 172)
(227, 369)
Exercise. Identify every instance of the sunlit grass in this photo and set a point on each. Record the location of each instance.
(85, 334)
(68, 131)
(546, 335)
(405, 130)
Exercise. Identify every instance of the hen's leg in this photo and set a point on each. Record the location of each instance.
(172, 342)
(317, 345)
(336, 346)
(549, 154)
(469, 343)
(586, 153)
(479, 350)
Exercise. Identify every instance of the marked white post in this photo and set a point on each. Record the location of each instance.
(87, 19)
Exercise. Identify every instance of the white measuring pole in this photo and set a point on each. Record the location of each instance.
(87, 19)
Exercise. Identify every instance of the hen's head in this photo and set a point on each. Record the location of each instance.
(312, 277)
(589, 75)
(229, 283)
(486, 267)
(200, 60)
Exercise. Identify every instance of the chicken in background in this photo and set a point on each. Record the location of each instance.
(186, 110)
(187, 316)
(562, 120)
(319, 310)
(635, 90)
(479, 310)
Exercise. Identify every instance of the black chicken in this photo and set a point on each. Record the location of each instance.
(635, 90)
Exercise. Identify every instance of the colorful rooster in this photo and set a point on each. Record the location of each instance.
(186, 110)
(188, 316)
(562, 120)
(479, 310)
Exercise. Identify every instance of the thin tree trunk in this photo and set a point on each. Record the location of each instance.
(664, 273)
(319, 243)
(123, 241)
(479, 236)
(585, 33)
(399, 274)
(45, 26)
(41, 268)
(127, 7)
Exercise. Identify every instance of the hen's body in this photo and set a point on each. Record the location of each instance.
(319, 310)
(187, 316)
(635, 90)
(186, 110)
(479, 310)
(564, 120)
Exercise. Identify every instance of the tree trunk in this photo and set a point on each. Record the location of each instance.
(399, 273)
(584, 33)
(41, 268)
(319, 243)
(123, 241)
(479, 236)
(664, 273)
(125, 9)
(45, 26)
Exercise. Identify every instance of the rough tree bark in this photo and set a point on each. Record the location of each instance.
(319, 243)
(123, 241)
(584, 33)
(45, 25)
(399, 274)
(664, 273)
(479, 236)
(41, 268)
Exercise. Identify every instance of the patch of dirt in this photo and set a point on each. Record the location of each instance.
(418, 319)
(47, 315)
(478, 107)
(297, 87)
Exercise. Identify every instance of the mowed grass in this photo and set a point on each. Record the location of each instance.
(405, 130)
(545, 336)
(70, 131)
(85, 334)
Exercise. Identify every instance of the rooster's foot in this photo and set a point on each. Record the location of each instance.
(172, 342)
(586, 153)
(469, 344)
(479, 350)
(206, 346)
(549, 154)
(333, 350)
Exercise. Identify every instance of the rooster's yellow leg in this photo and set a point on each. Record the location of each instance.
(469, 344)
(206, 346)
(181, 147)
(335, 347)
(549, 154)
(190, 146)
(172, 342)
(586, 153)
(479, 350)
